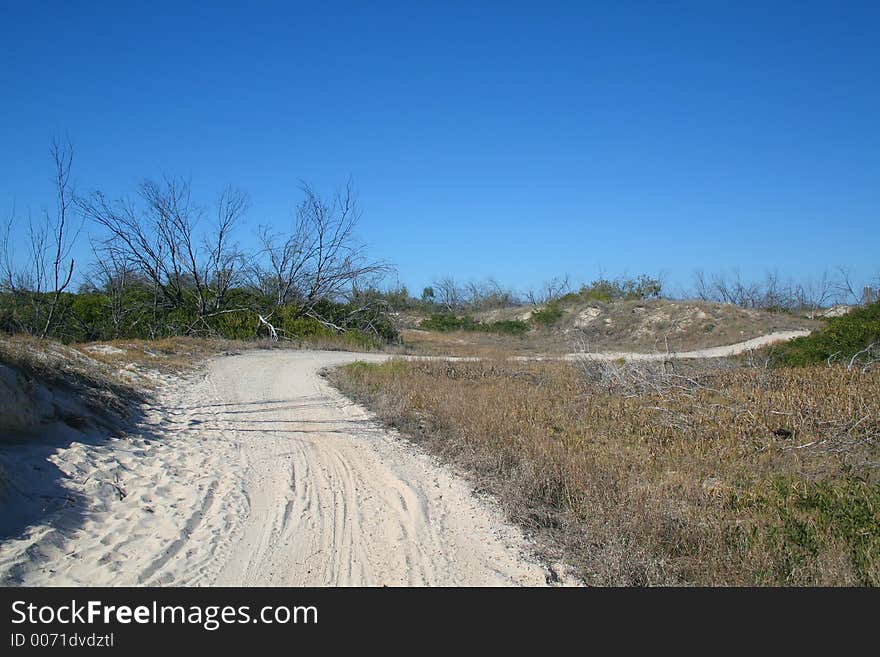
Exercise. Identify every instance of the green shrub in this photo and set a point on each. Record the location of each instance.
(446, 322)
(601, 290)
(235, 326)
(304, 327)
(569, 298)
(808, 516)
(359, 340)
(90, 313)
(510, 326)
(606, 291)
(549, 314)
(839, 340)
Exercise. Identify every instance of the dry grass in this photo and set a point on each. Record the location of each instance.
(714, 475)
(170, 355)
(42, 365)
(469, 344)
(55, 362)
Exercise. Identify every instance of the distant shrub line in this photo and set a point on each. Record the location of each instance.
(624, 289)
(446, 322)
(93, 315)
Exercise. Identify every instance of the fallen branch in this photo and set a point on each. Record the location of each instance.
(324, 322)
(272, 331)
(855, 357)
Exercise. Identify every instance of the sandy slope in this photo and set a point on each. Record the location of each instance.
(256, 472)
(259, 473)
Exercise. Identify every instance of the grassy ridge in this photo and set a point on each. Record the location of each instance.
(712, 476)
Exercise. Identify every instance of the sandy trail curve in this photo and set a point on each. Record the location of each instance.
(256, 472)
(724, 351)
(265, 475)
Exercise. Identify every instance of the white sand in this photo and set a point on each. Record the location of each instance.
(259, 473)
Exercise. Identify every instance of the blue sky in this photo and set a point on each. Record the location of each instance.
(514, 140)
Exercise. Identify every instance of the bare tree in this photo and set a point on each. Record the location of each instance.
(772, 292)
(484, 294)
(114, 277)
(702, 286)
(319, 258)
(447, 293)
(337, 259)
(45, 269)
(284, 276)
(225, 261)
(163, 243)
(847, 289)
(475, 292)
(62, 158)
(7, 268)
(550, 290)
(815, 294)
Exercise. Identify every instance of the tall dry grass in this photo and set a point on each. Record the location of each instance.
(638, 475)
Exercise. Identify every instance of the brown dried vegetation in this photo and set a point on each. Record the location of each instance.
(649, 474)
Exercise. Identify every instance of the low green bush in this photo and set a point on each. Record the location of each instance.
(549, 314)
(606, 291)
(840, 339)
(446, 322)
(510, 326)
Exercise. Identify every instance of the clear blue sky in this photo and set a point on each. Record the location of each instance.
(515, 140)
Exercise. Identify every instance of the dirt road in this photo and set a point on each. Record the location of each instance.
(259, 473)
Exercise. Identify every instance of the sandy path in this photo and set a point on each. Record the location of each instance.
(711, 352)
(259, 473)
